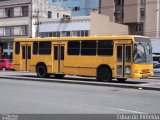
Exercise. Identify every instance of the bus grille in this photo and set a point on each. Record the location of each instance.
(146, 71)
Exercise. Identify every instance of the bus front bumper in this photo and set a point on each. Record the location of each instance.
(142, 75)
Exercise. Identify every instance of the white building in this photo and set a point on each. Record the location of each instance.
(95, 24)
(155, 45)
(75, 26)
(20, 18)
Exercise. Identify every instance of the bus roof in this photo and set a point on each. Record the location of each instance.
(113, 37)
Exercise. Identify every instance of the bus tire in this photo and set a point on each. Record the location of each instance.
(121, 80)
(104, 74)
(41, 71)
(59, 76)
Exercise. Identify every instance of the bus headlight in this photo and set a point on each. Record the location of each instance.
(128, 69)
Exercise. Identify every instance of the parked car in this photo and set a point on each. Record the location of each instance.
(6, 64)
(156, 69)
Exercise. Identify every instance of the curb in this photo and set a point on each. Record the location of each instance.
(91, 83)
(158, 78)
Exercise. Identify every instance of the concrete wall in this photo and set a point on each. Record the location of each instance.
(101, 25)
(13, 2)
(131, 11)
(151, 19)
(85, 6)
(76, 23)
(108, 8)
(155, 45)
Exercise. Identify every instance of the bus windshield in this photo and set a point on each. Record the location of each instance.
(142, 50)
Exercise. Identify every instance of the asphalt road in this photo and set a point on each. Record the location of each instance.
(45, 97)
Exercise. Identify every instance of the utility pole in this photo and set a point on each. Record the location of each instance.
(37, 30)
(158, 19)
(37, 23)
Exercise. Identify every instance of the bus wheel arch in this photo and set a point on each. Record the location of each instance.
(41, 70)
(104, 73)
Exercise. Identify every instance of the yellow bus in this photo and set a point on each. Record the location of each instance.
(105, 57)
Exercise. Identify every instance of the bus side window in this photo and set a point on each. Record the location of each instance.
(88, 47)
(45, 48)
(105, 47)
(73, 47)
(35, 48)
(17, 47)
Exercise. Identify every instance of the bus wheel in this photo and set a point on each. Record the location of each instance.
(59, 76)
(122, 80)
(104, 74)
(41, 71)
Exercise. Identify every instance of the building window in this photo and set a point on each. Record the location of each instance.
(57, 15)
(119, 16)
(24, 11)
(86, 33)
(119, 2)
(9, 31)
(49, 14)
(143, 2)
(5, 46)
(142, 13)
(66, 33)
(76, 8)
(9, 12)
(139, 28)
(24, 30)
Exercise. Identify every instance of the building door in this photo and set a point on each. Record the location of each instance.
(58, 58)
(26, 57)
(124, 60)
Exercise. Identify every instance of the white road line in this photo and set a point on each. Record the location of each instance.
(150, 84)
(126, 110)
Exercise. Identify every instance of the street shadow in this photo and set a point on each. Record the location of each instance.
(88, 79)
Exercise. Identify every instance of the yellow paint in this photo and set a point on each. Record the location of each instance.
(79, 65)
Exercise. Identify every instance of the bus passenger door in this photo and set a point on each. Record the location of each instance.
(26, 58)
(123, 66)
(58, 58)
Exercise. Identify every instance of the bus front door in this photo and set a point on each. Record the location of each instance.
(26, 58)
(58, 59)
(123, 67)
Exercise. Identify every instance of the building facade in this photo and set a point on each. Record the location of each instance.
(94, 25)
(78, 7)
(20, 18)
(142, 16)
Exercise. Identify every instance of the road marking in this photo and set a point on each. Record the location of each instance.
(126, 110)
(150, 84)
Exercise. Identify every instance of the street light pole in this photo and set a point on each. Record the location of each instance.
(158, 22)
(37, 30)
